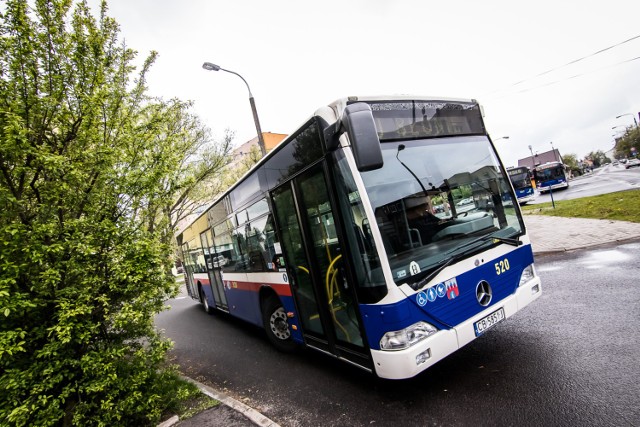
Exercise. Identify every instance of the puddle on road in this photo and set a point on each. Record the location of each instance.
(604, 258)
(595, 258)
(548, 268)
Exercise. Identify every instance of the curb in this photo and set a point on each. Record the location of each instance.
(254, 416)
(171, 421)
(585, 246)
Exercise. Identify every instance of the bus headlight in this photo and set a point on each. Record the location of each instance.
(405, 338)
(527, 274)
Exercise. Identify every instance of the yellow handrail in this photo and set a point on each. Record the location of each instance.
(332, 289)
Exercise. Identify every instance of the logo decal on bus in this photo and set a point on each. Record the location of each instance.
(452, 288)
(432, 294)
(441, 289)
(421, 299)
(414, 268)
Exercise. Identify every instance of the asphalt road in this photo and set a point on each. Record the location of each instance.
(571, 358)
(607, 179)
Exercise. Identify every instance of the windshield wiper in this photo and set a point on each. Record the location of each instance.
(452, 259)
(434, 273)
(508, 240)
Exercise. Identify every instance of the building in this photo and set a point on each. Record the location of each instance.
(541, 158)
(244, 150)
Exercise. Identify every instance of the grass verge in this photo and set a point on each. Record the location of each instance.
(188, 402)
(621, 206)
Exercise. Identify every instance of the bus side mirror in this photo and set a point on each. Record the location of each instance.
(358, 122)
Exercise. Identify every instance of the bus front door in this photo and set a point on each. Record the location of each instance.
(315, 253)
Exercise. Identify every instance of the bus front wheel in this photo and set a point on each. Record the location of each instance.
(276, 325)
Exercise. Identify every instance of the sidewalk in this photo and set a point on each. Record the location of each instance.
(557, 234)
(548, 235)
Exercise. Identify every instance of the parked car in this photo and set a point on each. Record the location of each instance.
(219, 261)
(465, 201)
(632, 163)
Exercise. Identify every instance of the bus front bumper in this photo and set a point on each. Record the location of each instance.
(409, 362)
(526, 199)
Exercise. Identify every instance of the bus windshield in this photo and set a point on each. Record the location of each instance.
(436, 197)
(520, 178)
(549, 173)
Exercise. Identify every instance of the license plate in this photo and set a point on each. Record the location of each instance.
(487, 322)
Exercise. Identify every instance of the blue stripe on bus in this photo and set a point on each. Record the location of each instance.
(444, 312)
(524, 192)
(549, 183)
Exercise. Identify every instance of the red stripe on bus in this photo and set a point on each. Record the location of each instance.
(281, 289)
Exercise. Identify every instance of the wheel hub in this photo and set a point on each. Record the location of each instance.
(279, 325)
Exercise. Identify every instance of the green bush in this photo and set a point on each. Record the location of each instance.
(87, 166)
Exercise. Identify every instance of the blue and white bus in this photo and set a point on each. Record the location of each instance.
(550, 176)
(521, 180)
(350, 237)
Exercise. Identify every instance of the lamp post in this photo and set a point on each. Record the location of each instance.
(620, 135)
(533, 163)
(554, 152)
(213, 67)
(629, 114)
(502, 137)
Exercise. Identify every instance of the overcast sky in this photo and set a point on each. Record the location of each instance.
(300, 55)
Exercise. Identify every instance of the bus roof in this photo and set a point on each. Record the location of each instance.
(330, 113)
(548, 165)
(340, 104)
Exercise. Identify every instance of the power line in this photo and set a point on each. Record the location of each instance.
(571, 77)
(571, 63)
(577, 60)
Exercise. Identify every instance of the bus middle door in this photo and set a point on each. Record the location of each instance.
(314, 253)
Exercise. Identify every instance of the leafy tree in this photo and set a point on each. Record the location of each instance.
(630, 140)
(571, 161)
(93, 173)
(200, 174)
(598, 158)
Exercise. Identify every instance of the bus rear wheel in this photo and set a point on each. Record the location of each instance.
(204, 301)
(274, 319)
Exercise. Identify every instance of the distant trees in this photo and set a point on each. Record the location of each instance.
(629, 144)
(571, 160)
(598, 158)
(93, 175)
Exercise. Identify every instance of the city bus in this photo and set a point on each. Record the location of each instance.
(521, 180)
(550, 176)
(349, 237)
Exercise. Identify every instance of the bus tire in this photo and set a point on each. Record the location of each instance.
(203, 300)
(274, 319)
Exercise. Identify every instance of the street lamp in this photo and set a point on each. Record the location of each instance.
(533, 163)
(629, 114)
(502, 137)
(554, 152)
(213, 67)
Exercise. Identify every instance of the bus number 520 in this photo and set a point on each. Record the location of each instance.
(502, 266)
